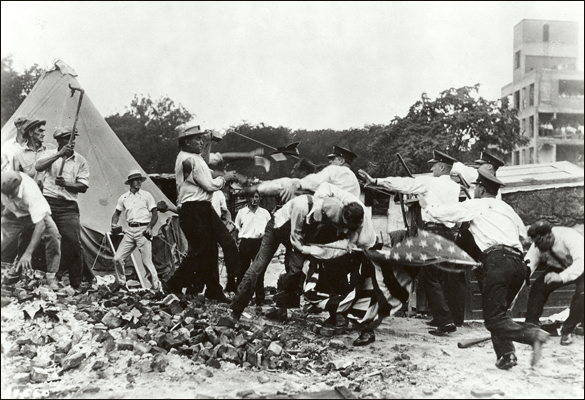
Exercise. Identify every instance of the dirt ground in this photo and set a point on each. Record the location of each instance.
(404, 362)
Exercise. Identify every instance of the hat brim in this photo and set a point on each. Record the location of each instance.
(333, 155)
(481, 162)
(432, 161)
(190, 135)
(34, 125)
(142, 178)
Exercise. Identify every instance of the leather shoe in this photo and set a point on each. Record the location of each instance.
(507, 361)
(566, 339)
(433, 322)
(365, 338)
(540, 339)
(443, 330)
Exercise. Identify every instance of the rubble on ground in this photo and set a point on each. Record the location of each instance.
(108, 330)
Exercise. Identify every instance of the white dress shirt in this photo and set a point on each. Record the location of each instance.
(75, 170)
(138, 206)
(568, 246)
(340, 176)
(28, 201)
(199, 185)
(252, 224)
(440, 190)
(492, 221)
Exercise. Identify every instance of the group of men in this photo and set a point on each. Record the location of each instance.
(326, 230)
(40, 188)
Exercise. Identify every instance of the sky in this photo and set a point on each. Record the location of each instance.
(301, 65)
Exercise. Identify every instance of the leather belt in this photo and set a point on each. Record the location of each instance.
(137, 224)
(431, 225)
(509, 249)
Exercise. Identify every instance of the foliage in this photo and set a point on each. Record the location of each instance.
(457, 122)
(15, 86)
(147, 131)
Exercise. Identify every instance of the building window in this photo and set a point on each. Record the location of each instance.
(531, 155)
(517, 157)
(523, 127)
(545, 33)
(531, 127)
(531, 96)
(523, 99)
(517, 99)
(517, 60)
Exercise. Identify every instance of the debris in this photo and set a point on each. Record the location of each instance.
(72, 361)
(487, 393)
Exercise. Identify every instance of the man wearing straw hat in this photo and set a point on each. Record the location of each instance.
(141, 215)
(195, 187)
(61, 192)
(32, 150)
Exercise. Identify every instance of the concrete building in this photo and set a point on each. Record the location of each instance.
(547, 90)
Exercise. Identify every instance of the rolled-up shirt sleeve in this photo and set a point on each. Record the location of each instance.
(83, 172)
(468, 173)
(452, 213)
(298, 216)
(202, 175)
(574, 244)
(403, 185)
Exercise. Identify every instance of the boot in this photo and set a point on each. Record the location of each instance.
(52, 281)
(231, 285)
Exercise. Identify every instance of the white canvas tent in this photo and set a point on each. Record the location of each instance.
(108, 159)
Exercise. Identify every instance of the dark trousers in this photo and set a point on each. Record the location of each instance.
(504, 274)
(196, 221)
(65, 213)
(273, 238)
(230, 250)
(443, 289)
(248, 250)
(539, 293)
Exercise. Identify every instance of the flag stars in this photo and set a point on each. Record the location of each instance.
(451, 249)
(423, 257)
(409, 243)
(396, 256)
(409, 256)
(423, 243)
(438, 246)
(424, 234)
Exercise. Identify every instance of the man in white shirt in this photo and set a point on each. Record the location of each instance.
(561, 249)
(251, 223)
(26, 213)
(195, 186)
(33, 149)
(487, 163)
(292, 226)
(11, 147)
(141, 215)
(337, 173)
(497, 230)
(61, 192)
(438, 189)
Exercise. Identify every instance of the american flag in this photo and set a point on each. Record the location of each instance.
(425, 249)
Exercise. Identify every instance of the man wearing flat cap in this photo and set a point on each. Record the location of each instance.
(141, 215)
(498, 231)
(338, 173)
(195, 187)
(436, 189)
(26, 216)
(61, 192)
(33, 150)
(561, 250)
(11, 147)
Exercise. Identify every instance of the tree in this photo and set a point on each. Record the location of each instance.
(458, 122)
(147, 131)
(15, 86)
